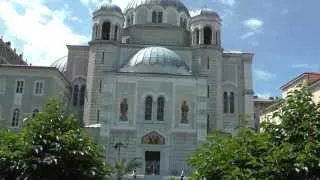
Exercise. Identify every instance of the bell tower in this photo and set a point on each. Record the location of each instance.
(104, 53)
(206, 42)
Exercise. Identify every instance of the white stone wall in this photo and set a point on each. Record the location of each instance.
(178, 137)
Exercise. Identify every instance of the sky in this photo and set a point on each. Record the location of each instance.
(283, 34)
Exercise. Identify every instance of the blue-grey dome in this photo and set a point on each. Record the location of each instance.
(163, 3)
(61, 64)
(109, 7)
(156, 60)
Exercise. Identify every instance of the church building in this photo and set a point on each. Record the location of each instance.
(154, 81)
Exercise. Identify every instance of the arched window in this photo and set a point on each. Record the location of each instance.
(95, 32)
(82, 94)
(106, 31)
(98, 116)
(197, 36)
(160, 109)
(116, 32)
(232, 102)
(208, 124)
(225, 102)
(75, 95)
(154, 17)
(131, 18)
(128, 21)
(160, 17)
(207, 35)
(34, 113)
(157, 17)
(183, 22)
(15, 118)
(148, 108)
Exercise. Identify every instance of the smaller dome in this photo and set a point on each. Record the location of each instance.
(60, 64)
(111, 7)
(107, 6)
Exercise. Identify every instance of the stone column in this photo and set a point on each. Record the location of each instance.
(214, 36)
(201, 35)
(248, 91)
(134, 17)
(112, 27)
(193, 36)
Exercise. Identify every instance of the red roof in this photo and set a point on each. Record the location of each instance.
(311, 77)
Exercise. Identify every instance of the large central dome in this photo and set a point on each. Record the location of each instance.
(163, 3)
(156, 60)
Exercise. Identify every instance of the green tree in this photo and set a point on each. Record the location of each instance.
(239, 156)
(286, 150)
(11, 150)
(124, 167)
(300, 128)
(52, 146)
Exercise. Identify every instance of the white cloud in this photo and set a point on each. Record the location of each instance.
(263, 75)
(264, 95)
(284, 11)
(306, 67)
(254, 26)
(42, 30)
(300, 65)
(247, 35)
(194, 12)
(228, 2)
(75, 19)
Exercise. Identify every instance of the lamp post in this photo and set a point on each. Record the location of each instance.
(117, 144)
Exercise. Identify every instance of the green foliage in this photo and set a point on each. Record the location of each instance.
(232, 156)
(51, 146)
(289, 150)
(300, 127)
(124, 167)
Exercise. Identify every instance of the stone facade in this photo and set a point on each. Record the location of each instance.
(153, 59)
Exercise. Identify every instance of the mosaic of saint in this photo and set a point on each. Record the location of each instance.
(184, 112)
(153, 138)
(124, 110)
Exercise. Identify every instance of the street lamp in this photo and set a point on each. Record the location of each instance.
(117, 144)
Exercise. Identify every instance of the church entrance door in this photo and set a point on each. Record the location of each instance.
(152, 159)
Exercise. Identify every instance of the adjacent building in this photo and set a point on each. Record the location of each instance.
(309, 80)
(260, 106)
(8, 55)
(24, 91)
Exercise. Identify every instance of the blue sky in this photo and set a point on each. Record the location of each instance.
(283, 34)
